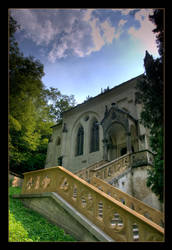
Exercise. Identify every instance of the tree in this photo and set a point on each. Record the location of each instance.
(58, 103)
(32, 109)
(158, 19)
(150, 94)
(25, 102)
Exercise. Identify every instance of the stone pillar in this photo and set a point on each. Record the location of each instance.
(129, 148)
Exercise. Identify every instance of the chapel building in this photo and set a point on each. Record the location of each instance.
(103, 129)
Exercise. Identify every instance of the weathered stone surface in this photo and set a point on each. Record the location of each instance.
(108, 214)
(140, 189)
(120, 133)
(99, 108)
(60, 213)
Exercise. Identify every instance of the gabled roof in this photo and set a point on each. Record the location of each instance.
(110, 90)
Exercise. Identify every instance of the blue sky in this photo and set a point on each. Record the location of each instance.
(84, 50)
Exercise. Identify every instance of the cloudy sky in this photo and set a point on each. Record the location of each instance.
(84, 50)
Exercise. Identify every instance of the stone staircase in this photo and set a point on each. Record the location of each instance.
(103, 173)
(131, 202)
(85, 173)
(109, 170)
(92, 207)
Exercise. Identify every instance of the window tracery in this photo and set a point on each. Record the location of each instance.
(80, 141)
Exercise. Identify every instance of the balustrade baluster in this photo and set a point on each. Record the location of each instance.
(74, 192)
(135, 232)
(113, 217)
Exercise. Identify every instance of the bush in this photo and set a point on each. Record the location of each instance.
(26, 225)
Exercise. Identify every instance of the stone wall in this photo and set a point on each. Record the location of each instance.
(140, 189)
(54, 146)
(83, 114)
(123, 96)
(133, 182)
(59, 212)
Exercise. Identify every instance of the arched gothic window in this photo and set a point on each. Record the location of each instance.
(94, 137)
(80, 141)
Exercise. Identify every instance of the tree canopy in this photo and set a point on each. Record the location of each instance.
(33, 109)
(150, 94)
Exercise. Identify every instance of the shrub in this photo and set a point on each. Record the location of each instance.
(27, 225)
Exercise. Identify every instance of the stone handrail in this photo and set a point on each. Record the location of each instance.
(130, 201)
(112, 168)
(118, 221)
(118, 166)
(85, 173)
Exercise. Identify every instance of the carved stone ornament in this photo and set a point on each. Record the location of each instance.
(113, 115)
(106, 111)
(103, 208)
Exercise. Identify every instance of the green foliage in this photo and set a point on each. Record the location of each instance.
(33, 109)
(158, 19)
(58, 103)
(26, 225)
(17, 233)
(151, 92)
(15, 125)
(155, 180)
(150, 95)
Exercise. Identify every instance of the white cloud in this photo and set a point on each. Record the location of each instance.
(122, 22)
(124, 12)
(77, 42)
(64, 30)
(119, 29)
(98, 41)
(87, 15)
(61, 27)
(40, 33)
(96, 35)
(80, 32)
(109, 31)
(57, 52)
(144, 34)
(143, 14)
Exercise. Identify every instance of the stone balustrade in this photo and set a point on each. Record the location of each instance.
(117, 220)
(141, 158)
(131, 202)
(113, 168)
(85, 173)
(119, 165)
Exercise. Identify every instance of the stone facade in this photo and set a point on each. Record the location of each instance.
(103, 128)
(117, 135)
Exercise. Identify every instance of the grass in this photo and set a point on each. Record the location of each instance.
(26, 225)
